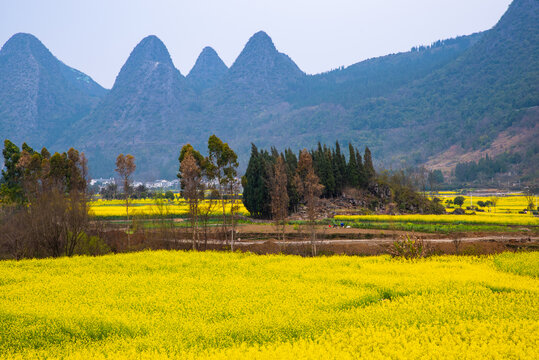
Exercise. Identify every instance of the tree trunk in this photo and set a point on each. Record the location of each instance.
(127, 213)
(223, 205)
(313, 239)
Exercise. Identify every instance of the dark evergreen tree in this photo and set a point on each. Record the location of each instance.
(339, 169)
(363, 180)
(323, 167)
(367, 164)
(352, 168)
(256, 194)
(329, 165)
(28, 149)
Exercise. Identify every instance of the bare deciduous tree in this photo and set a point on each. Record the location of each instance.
(191, 181)
(15, 239)
(279, 196)
(206, 210)
(53, 216)
(310, 189)
(494, 202)
(77, 202)
(125, 167)
(529, 194)
(162, 218)
(233, 190)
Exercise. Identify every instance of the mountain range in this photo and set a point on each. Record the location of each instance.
(454, 100)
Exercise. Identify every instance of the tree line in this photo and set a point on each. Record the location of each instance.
(217, 175)
(45, 202)
(45, 198)
(486, 167)
(334, 171)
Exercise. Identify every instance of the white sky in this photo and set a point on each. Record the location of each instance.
(96, 36)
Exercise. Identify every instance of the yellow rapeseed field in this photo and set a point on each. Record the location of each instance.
(507, 204)
(188, 305)
(151, 207)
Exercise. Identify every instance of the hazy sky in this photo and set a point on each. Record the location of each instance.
(96, 36)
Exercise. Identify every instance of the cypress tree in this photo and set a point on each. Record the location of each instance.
(352, 169)
(330, 171)
(267, 162)
(255, 189)
(363, 182)
(28, 149)
(339, 169)
(367, 164)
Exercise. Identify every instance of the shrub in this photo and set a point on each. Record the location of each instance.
(91, 245)
(410, 247)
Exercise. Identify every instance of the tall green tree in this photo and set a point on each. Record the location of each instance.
(367, 164)
(339, 169)
(11, 187)
(224, 165)
(352, 168)
(363, 178)
(256, 194)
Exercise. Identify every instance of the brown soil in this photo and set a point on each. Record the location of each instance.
(261, 239)
(289, 229)
(379, 247)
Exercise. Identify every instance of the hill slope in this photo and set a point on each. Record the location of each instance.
(209, 69)
(143, 113)
(489, 88)
(39, 95)
(475, 94)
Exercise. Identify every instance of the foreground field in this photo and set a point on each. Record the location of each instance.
(219, 305)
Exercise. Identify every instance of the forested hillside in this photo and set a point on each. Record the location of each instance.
(474, 94)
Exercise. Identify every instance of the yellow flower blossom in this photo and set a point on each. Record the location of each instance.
(211, 305)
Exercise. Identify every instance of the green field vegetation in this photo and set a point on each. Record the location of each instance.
(523, 264)
(433, 228)
(505, 217)
(185, 305)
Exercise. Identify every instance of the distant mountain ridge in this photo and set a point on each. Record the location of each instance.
(262, 67)
(409, 108)
(39, 95)
(208, 70)
(147, 96)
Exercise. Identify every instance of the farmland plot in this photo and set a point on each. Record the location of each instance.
(219, 305)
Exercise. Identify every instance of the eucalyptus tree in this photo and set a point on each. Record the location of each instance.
(223, 169)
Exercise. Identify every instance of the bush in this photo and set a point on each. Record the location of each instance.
(91, 245)
(410, 247)
(169, 195)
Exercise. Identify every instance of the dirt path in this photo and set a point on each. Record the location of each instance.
(373, 241)
(289, 229)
